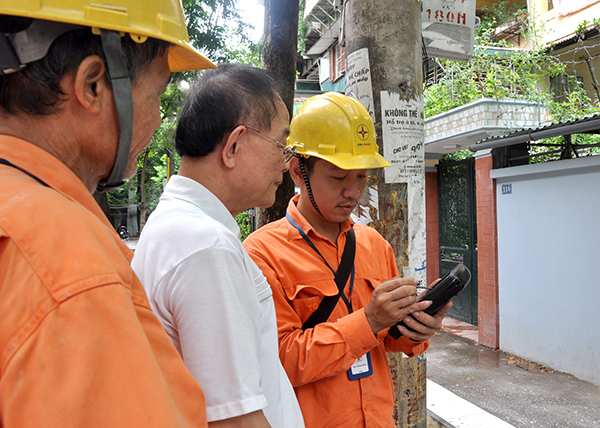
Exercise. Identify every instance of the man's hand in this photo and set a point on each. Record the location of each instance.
(392, 301)
(421, 325)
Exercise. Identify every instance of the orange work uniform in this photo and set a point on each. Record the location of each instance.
(79, 344)
(317, 360)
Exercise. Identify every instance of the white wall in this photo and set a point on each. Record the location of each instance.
(549, 264)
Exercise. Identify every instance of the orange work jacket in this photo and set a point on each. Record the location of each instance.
(317, 360)
(79, 344)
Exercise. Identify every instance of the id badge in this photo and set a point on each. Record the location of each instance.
(362, 367)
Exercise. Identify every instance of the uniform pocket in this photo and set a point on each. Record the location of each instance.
(306, 298)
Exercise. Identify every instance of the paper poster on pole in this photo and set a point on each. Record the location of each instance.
(367, 210)
(403, 134)
(358, 79)
(417, 239)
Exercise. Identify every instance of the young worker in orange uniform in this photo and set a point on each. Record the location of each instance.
(336, 358)
(80, 85)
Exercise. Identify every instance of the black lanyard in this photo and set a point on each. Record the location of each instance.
(349, 243)
(7, 163)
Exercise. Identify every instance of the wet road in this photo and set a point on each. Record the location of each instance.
(517, 391)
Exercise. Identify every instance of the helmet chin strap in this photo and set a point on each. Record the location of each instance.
(301, 161)
(121, 85)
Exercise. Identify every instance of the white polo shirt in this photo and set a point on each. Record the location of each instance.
(215, 305)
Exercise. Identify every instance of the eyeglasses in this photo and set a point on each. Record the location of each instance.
(288, 152)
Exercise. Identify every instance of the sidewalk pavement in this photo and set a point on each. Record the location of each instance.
(470, 385)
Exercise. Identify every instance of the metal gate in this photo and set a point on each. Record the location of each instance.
(458, 231)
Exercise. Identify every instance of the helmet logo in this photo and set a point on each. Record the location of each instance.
(363, 133)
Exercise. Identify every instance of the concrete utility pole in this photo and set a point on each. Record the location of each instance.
(279, 56)
(384, 71)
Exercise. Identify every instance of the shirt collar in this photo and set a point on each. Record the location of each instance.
(50, 170)
(191, 191)
(56, 175)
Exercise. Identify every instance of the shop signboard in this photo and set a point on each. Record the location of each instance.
(449, 28)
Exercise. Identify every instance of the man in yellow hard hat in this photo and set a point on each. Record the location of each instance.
(80, 84)
(335, 284)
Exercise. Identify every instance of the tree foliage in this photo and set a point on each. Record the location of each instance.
(216, 29)
(245, 224)
(302, 28)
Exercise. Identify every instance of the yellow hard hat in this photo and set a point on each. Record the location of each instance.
(161, 19)
(338, 129)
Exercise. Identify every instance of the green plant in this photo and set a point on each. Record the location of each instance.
(515, 75)
(456, 156)
(494, 15)
(582, 26)
(302, 28)
(575, 105)
(245, 224)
